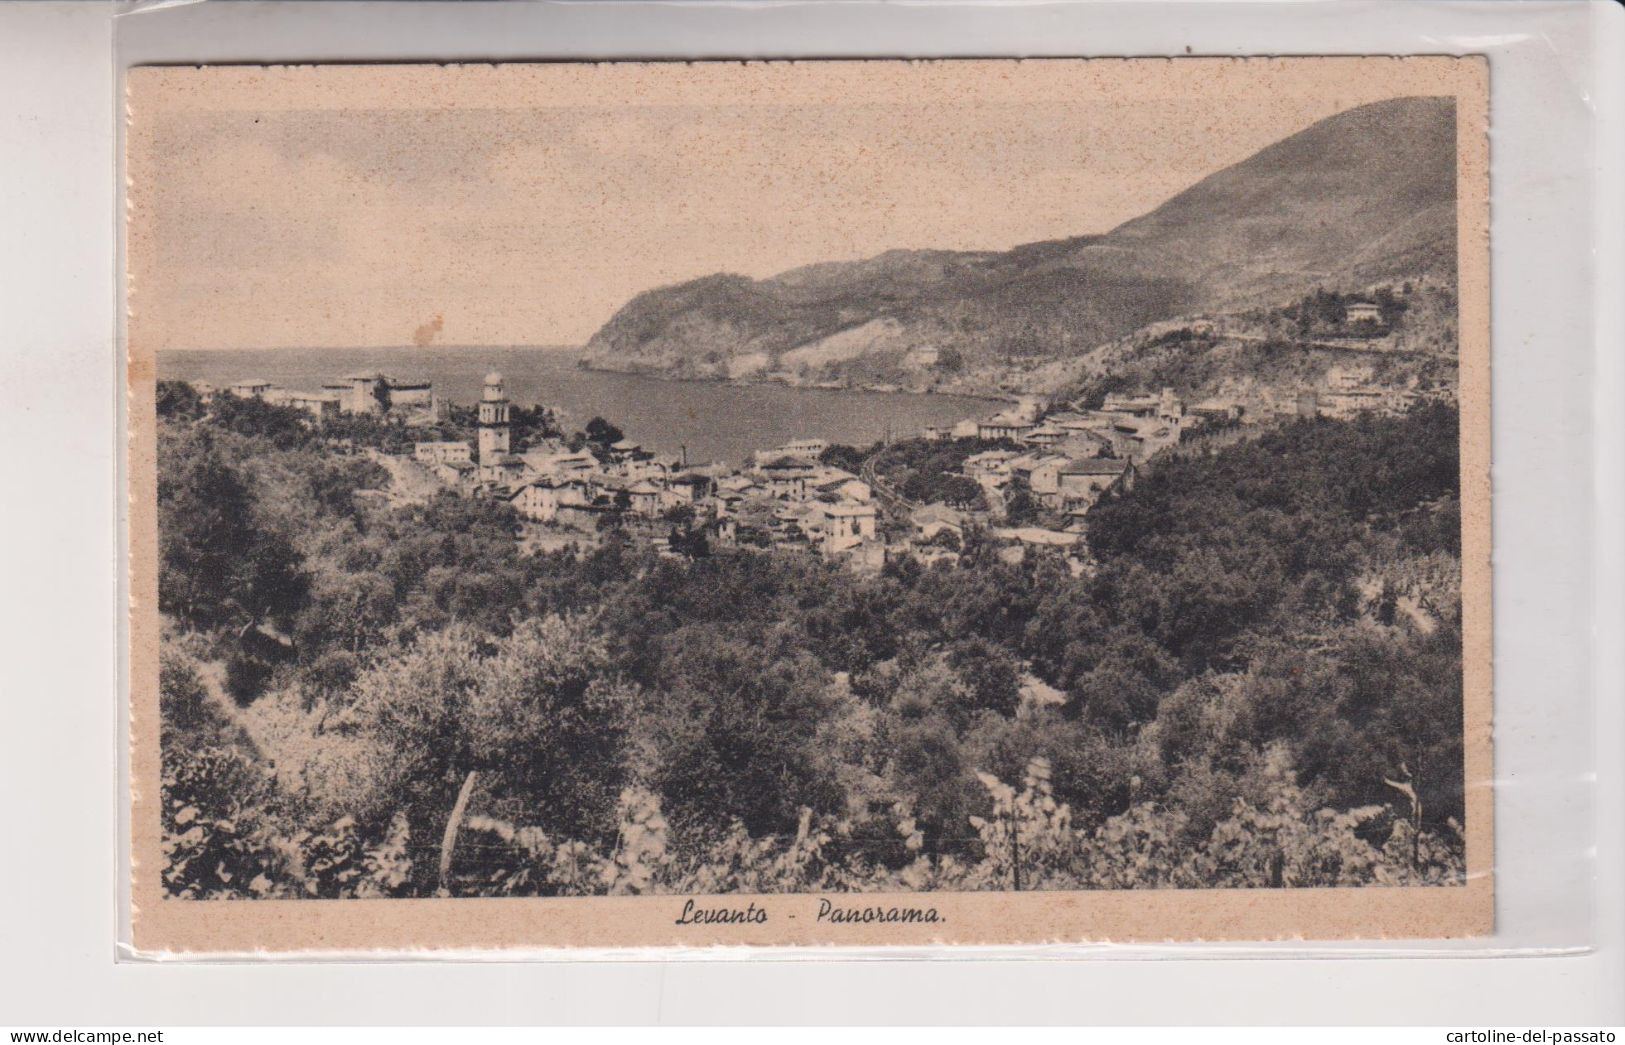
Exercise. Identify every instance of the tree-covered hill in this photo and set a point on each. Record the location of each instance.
(1269, 643)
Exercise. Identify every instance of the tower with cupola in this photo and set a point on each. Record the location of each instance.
(494, 420)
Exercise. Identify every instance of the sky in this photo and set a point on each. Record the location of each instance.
(443, 206)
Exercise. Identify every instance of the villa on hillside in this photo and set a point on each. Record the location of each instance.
(251, 388)
(1358, 312)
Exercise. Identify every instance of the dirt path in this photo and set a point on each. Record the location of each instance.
(1366, 349)
(212, 675)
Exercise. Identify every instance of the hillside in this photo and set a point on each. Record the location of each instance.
(1255, 356)
(1366, 195)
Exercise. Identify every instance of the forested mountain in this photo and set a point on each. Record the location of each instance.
(1363, 196)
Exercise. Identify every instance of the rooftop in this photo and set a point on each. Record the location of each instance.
(786, 464)
(936, 513)
(1095, 466)
(1031, 461)
(1038, 535)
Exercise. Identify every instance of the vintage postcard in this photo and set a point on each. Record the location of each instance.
(828, 503)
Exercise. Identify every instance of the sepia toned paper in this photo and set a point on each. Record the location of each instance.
(665, 237)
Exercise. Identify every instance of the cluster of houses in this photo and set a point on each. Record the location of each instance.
(783, 497)
(1348, 391)
(368, 392)
(1136, 427)
(1066, 486)
(789, 497)
(1130, 427)
(1066, 460)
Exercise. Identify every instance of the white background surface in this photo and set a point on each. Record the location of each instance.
(1557, 516)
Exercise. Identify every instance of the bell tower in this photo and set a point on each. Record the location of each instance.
(493, 419)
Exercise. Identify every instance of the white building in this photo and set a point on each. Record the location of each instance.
(802, 448)
(436, 452)
(1004, 426)
(1362, 312)
(841, 527)
(543, 498)
(251, 388)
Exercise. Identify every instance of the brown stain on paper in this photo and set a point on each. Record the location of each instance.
(425, 334)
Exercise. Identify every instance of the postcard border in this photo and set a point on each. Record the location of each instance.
(196, 928)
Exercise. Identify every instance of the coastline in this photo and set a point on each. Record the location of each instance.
(714, 420)
(990, 395)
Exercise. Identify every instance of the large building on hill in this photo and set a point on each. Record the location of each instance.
(374, 392)
(319, 405)
(411, 395)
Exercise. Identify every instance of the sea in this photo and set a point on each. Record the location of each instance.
(712, 421)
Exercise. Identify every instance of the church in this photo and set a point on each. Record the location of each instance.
(497, 462)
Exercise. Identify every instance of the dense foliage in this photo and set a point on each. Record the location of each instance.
(925, 471)
(370, 697)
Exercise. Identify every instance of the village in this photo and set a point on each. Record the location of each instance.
(1059, 461)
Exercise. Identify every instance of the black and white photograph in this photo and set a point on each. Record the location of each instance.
(812, 497)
